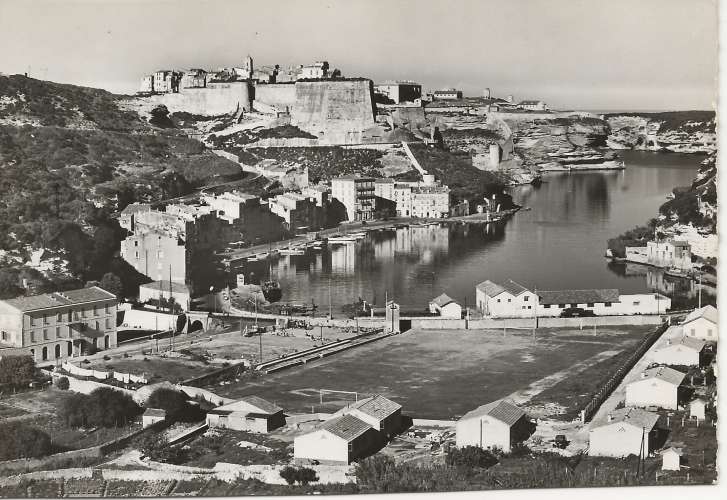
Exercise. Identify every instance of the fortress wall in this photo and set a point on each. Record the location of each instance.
(277, 95)
(216, 99)
(336, 111)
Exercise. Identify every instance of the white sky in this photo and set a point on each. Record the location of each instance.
(589, 54)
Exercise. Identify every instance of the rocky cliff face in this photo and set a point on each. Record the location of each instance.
(677, 131)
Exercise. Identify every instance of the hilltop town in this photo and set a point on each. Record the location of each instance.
(146, 348)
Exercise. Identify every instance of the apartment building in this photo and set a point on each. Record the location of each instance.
(357, 194)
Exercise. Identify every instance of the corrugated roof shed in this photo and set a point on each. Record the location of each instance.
(578, 296)
(346, 427)
(501, 410)
(670, 375)
(493, 289)
(262, 404)
(707, 312)
(634, 416)
(377, 406)
(442, 300)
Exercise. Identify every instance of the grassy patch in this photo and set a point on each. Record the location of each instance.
(156, 369)
(222, 445)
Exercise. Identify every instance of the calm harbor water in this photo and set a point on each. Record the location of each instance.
(558, 243)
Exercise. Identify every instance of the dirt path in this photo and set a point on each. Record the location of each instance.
(522, 396)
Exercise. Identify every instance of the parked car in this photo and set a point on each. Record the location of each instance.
(576, 312)
(560, 441)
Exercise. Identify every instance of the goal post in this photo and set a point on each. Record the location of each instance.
(321, 392)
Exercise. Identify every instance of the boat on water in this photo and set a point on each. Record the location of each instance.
(271, 290)
(291, 251)
(677, 273)
(342, 240)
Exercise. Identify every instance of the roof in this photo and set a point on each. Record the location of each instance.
(376, 406)
(501, 410)
(672, 449)
(352, 177)
(136, 207)
(578, 296)
(707, 312)
(493, 289)
(163, 286)
(384, 180)
(664, 373)
(680, 243)
(242, 404)
(689, 342)
(442, 300)
(56, 299)
(346, 427)
(634, 416)
(530, 101)
(155, 412)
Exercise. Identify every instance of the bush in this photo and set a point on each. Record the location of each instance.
(104, 407)
(62, 383)
(20, 440)
(303, 475)
(470, 457)
(156, 447)
(175, 403)
(16, 371)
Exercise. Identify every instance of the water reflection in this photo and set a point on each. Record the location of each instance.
(559, 243)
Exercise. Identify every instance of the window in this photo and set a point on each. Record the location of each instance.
(83, 313)
(530, 307)
(498, 301)
(590, 304)
(136, 243)
(574, 305)
(136, 255)
(70, 316)
(58, 332)
(3, 335)
(546, 306)
(32, 336)
(59, 318)
(637, 302)
(561, 306)
(106, 308)
(45, 334)
(108, 323)
(95, 311)
(32, 321)
(709, 332)
(509, 300)
(524, 307)
(526, 298)
(45, 319)
(607, 304)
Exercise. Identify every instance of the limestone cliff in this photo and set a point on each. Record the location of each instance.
(676, 131)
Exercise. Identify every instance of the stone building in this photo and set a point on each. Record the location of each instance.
(399, 91)
(194, 78)
(59, 325)
(357, 194)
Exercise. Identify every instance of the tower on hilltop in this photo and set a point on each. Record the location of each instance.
(248, 67)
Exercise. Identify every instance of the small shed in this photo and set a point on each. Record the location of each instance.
(338, 441)
(499, 424)
(671, 458)
(701, 323)
(251, 413)
(655, 387)
(687, 351)
(623, 432)
(446, 307)
(153, 415)
(697, 409)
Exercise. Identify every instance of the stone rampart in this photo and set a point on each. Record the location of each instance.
(215, 99)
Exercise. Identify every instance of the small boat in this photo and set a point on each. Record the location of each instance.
(341, 240)
(358, 236)
(291, 251)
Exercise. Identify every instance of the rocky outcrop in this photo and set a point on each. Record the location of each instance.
(676, 131)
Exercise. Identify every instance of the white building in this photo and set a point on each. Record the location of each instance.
(624, 432)
(686, 351)
(671, 458)
(381, 413)
(447, 94)
(446, 307)
(338, 441)
(430, 201)
(533, 105)
(317, 70)
(400, 91)
(669, 254)
(229, 205)
(147, 83)
(319, 192)
(701, 324)
(250, 413)
(506, 300)
(655, 387)
(165, 289)
(356, 194)
(499, 424)
(153, 415)
(698, 409)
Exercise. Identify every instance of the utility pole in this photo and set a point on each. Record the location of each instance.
(699, 292)
(330, 304)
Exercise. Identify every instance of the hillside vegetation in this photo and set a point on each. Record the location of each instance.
(70, 158)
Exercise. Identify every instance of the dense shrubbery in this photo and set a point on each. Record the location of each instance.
(20, 440)
(470, 456)
(104, 407)
(672, 120)
(16, 371)
(175, 403)
(636, 237)
(302, 475)
(62, 383)
(156, 447)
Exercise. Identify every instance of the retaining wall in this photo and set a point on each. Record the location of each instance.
(216, 99)
(279, 96)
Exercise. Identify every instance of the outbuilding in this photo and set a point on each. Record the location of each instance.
(701, 324)
(446, 307)
(251, 413)
(655, 387)
(499, 424)
(153, 415)
(671, 458)
(338, 441)
(698, 409)
(687, 351)
(381, 413)
(624, 432)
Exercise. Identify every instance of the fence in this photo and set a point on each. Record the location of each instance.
(605, 391)
(104, 375)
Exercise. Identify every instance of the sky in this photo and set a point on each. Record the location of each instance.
(585, 54)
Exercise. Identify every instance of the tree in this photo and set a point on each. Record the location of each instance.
(303, 475)
(104, 407)
(9, 284)
(470, 457)
(17, 371)
(175, 404)
(62, 383)
(289, 473)
(23, 441)
(112, 283)
(160, 117)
